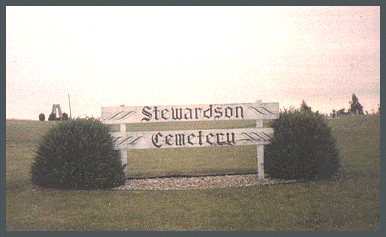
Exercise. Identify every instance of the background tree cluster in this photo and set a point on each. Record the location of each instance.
(53, 117)
(355, 107)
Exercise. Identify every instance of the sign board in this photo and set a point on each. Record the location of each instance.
(192, 138)
(185, 113)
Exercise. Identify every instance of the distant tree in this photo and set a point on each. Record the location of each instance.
(65, 116)
(42, 117)
(333, 113)
(52, 117)
(341, 112)
(355, 106)
(304, 106)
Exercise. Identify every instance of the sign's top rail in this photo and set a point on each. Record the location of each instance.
(185, 113)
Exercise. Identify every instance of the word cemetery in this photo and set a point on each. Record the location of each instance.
(258, 136)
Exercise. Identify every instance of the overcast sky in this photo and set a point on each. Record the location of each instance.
(108, 56)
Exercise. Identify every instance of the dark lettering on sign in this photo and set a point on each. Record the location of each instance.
(176, 114)
(241, 112)
(231, 141)
(190, 137)
(155, 139)
(181, 139)
(187, 114)
(168, 139)
(228, 112)
(220, 140)
(208, 113)
(200, 136)
(163, 113)
(197, 109)
(155, 113)
(147, 113)
(218, 112)
(208, 137)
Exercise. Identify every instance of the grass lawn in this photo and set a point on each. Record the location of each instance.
(350, 203)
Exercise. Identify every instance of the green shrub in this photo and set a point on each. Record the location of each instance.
(52, 117)
(42, 117)
(65, 116)
(77, 154)
(302, 147)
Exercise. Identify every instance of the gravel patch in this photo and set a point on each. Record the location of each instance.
(202, 182)
(205, 182)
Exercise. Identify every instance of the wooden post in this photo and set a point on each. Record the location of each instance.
(69, 103)
(123, 151)
(260, 154)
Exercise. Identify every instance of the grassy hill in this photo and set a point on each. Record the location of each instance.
(350, 203)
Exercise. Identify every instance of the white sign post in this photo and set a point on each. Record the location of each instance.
(258, 136)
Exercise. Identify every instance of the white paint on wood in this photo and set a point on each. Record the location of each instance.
(192, 138)
(122, 127)
(185, 113)
(123, 151)
(260, 154)
(260, 161)
(124, 158)
(259, 123)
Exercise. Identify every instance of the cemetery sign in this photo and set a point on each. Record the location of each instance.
(258, 136)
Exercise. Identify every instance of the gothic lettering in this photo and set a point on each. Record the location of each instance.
(181, 139)
(155, 139)
(241, 112)
(219, 141)
(200, 136)
(231, 141)
(168, 139)
(156, 113)
(163, 113)
(190, 137)
(197, 109)
(208, 137)
(147, 113)
(218, 113)
(228, 112)
(190, 114)
(208, 113)
(176, 114)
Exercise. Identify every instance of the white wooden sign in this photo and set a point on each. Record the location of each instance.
(192, 138)
(185, 113)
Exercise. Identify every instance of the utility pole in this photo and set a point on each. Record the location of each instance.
(69, 103)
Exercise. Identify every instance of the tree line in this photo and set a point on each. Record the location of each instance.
(355, 108)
